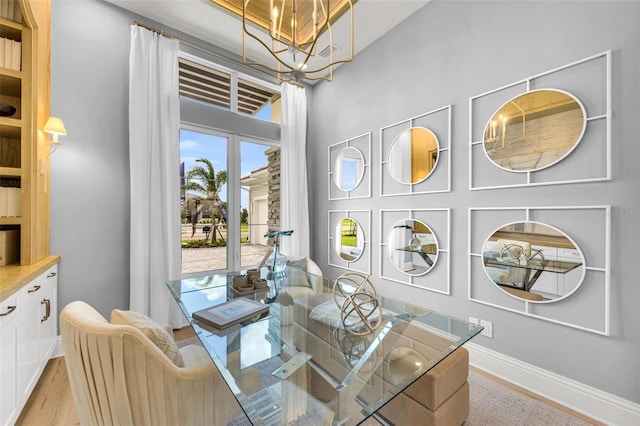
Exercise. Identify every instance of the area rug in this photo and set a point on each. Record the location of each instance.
(494, 404)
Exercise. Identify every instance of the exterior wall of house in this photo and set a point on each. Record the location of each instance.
(444, 54)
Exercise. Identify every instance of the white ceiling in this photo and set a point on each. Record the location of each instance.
(207, 22)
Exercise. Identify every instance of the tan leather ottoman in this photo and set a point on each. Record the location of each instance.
(440, 397)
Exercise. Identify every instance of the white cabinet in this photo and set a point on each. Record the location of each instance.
(28, 334)
(9, 332)
(49, 315)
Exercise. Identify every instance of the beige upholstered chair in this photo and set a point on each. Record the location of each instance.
(299, 285)
(118, 376)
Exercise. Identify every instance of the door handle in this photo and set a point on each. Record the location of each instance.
(47, 311)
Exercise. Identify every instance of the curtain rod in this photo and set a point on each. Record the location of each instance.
(201, 48)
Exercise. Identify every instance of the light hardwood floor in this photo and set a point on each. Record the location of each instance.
(51, 402)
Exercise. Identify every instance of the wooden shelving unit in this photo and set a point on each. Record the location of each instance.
(23, 146)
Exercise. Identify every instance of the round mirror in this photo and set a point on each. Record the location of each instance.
(534, 130)
(413, 155)
(413, 247)
(349, 169)
(533, 261)
(348, 240)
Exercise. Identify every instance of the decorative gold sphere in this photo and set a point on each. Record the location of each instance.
(356, 297)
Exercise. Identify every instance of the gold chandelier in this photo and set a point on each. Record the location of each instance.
(298, 35)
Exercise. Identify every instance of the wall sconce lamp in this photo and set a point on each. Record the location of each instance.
(55, 127)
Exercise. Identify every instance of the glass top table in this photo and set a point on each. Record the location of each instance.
(298, 364)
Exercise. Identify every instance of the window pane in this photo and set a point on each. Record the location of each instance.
(203, 84)
(258, 101)
(259, 200)
(203, 173)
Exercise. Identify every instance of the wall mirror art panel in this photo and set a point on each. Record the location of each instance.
(350, 168)
(533, 261)
(415, 154)
(534, 130)
(349, 239)
(550, 263)
(414, 247)
(551, 128)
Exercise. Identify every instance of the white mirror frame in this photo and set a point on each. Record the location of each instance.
(337, 236)
(531, 248)
(438, 121)
(588, 308)
(573, 168)
(363, 189)
(391, 253)
(338, 172)
(392, 155)
(363, 219)
(438, 220)
(504, 128)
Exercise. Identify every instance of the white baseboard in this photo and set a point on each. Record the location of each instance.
(592, 402)
(57, 351)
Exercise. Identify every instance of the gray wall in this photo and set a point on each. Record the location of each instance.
(444, 54)
(90, 170)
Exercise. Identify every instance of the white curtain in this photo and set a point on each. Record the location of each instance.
(294, 206)
(154, 156)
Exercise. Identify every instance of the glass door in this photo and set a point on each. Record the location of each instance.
(203, 201)
(259, 199)
(230, 197)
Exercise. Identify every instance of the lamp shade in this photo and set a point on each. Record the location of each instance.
(55, 126)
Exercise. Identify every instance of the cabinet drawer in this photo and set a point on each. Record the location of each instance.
(36, 288)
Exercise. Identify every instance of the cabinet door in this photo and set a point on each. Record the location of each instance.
(29, 343)
(48, 315)
(9, 321)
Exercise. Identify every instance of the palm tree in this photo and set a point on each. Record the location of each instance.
(205, 180)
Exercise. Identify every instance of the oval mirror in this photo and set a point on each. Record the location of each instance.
(413, 247)
(534, 130)
(533, 261)
(349, 169)
(413, 155)
(348, 239)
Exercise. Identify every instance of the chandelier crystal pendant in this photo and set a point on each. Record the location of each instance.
(299, 35)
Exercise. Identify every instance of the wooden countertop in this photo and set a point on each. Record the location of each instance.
(14, 277)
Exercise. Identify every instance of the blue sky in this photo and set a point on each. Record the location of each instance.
(194, 145)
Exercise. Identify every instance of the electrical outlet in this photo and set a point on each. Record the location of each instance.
(473, 322)
(488, 328)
